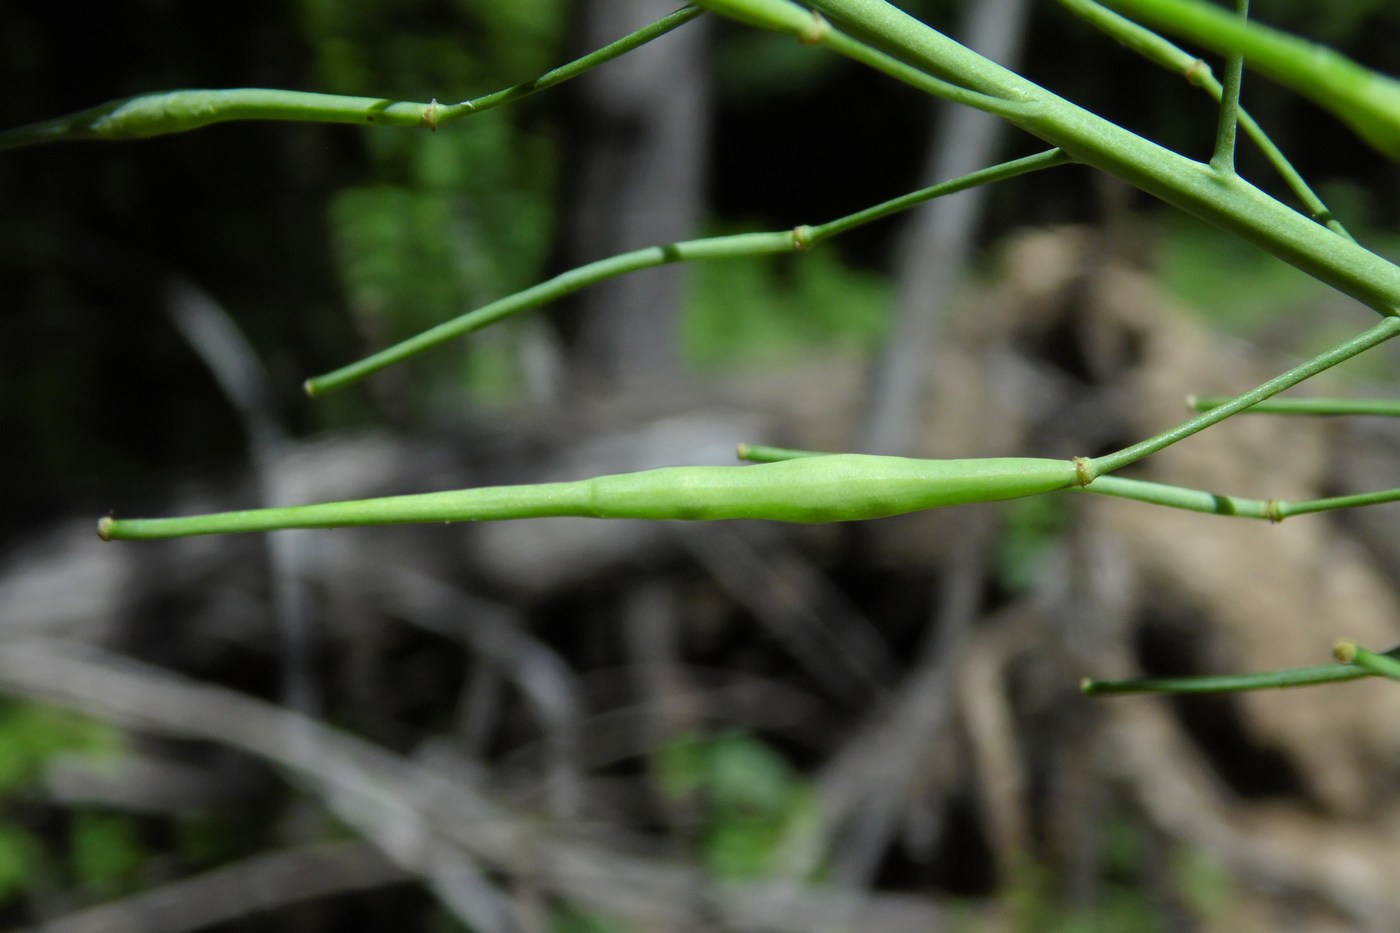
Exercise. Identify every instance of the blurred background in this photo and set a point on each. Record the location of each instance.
(576, 725)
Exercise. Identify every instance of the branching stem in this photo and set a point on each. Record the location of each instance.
(1197, 73)
(1223, 159)
(1374, 336)
(725, 247)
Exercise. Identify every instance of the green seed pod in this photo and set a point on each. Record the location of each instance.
(833, 488)
(830, 488)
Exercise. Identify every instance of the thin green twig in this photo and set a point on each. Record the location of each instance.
(1385, 407)
(1223, 158)
(179, 111)
(1356, 663)
(1226, 683)
(1382, 665)
(725, 247)
(1373, 336)
(1197, 500)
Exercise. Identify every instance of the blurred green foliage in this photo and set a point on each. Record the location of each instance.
(21, 852)
(754, 311)
(1034, 526)
(447, 221)
(106, 852)
(1126, 899)
(31, 735)
(751, 798)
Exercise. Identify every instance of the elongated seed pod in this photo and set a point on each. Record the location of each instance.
(833, 488)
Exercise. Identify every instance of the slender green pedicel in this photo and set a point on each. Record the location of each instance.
(834, 488)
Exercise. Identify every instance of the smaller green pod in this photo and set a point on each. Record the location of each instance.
(827, 488)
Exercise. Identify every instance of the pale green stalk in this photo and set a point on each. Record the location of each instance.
(1197, 73)
(1385, 407)
(180, 111)
(725, 247)
(1223, 158)
(1196, 500)
(1366, 100)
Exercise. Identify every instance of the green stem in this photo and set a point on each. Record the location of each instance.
(1382, 665)
(726, 247)
(1162, 52)
(1389, 408)
(1375, 335)
(1196, 500)
(760, 453)
(179, 111)
(1223, 159)
(1226, 683)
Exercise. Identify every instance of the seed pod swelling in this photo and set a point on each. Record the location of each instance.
(831, 488)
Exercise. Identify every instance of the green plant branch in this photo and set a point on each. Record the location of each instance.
(1197, 73)
(1227, 683)
(1385, 407)
(726, 247)
(1382, 665)
(1373, 336)
(1197, 500)
(1223, 158)
(1366, 100)
(179, 111)
(1356, 663)
(1228, 202)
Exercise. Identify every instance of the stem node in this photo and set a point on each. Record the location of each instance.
(1083, 470)
(816, 32)
(1196, 73)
